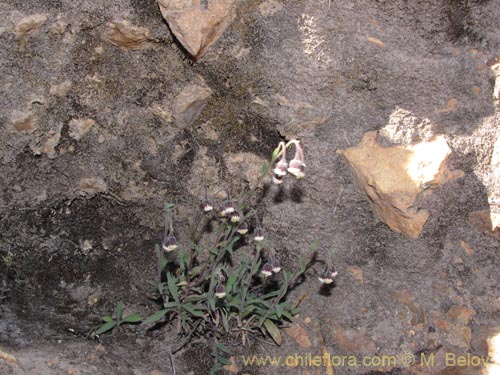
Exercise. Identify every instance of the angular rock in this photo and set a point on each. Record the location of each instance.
(189, 104)
(23, 121)
(93, 185)
(79, 127)
(299, 334)
(196, 24)
(393, 178)
(30, 23)
(127, 36)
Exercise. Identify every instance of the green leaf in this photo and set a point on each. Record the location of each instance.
(156, 316)
(191, 309)
(222, 347)
(231, 281)
(105, 327)
(119, 311)
(169, 206)
(225, 322)
(224, 361)
(265, 168)
(132, 318)
(279, 309)
(273, 331)
(314, 245)
(276, 153)
(195, 271)
(172, 287)
(107, 319)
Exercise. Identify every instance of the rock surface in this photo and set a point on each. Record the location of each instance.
(189, 103)
(394, 177)
(197, 24)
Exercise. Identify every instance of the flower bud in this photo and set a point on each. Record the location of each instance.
(228, 208)
(258, 234)
(169, 243)
(328, 275)
(243, 229)
(235, 217)
(220, 291)
(267, 269)
(276, 266)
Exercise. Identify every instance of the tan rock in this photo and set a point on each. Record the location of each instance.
(461, 314)
(393, 178)
(233, 367)
(79, 127)
(376, 42)
(481, 220)
(30, 23)
(352, 341)
(23, 121)
(92, 185)
(189, 104)
(197, 26)
(127, 36)
(54, 136)
(357, 273)
(299, 334)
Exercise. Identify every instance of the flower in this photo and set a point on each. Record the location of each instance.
(328, 275)
(220, 291)
(207, 206)
(258, 234)
(280, 169)
(235, 217)
(276, 265)
(169, 243)
(297, 165)
(267, 269)
(228, 208)
(243, 229)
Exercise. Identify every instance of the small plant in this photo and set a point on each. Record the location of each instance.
(213, 290)
(110, 323)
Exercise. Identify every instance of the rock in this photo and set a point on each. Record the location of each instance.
(189, 104)
(376, 42)
(196, 25)
(23, 121)
(357, 273)
(233, 367)
(246, 165)
(92, 185)
(299, 334)
(126, 36)
(461, 314)
(352, 341)
(61, 89)
(30, 24)
(394, 177)
(79, 127)
(481, 220)
(52, 141)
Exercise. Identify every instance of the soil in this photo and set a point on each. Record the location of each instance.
(323, 71)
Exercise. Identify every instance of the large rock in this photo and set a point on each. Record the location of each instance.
(393, 178)
(196, 25)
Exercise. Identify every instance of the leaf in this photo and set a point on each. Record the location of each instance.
(222, 347)
(191, 309)
(172, 287)
(156, 316)
(195, 271)
(273, 331)
(132, 318)
(224, 361)
(231, 281)
(169, 206)
(106, 327)
(107, 319)
(276, 153)
(265, 168)
(314, 245)
(119, 311)
(279, 309)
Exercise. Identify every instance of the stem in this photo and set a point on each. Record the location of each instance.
(246, 285)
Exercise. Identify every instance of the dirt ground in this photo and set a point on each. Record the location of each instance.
(80, 215)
